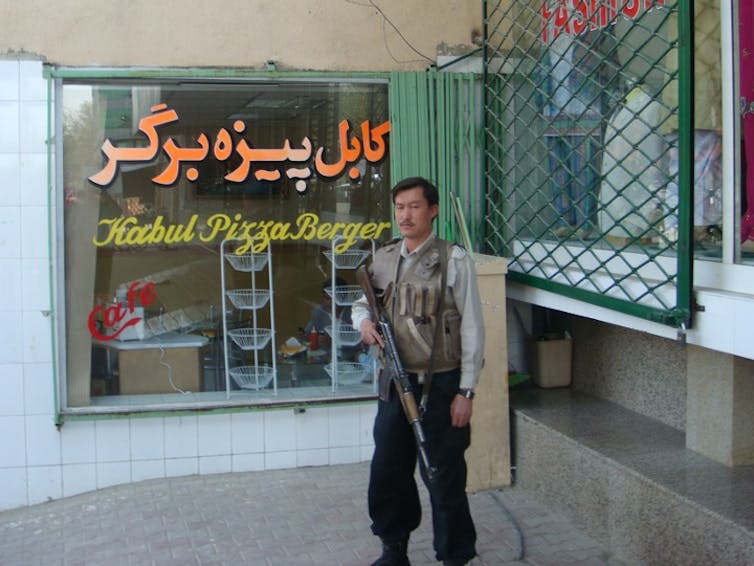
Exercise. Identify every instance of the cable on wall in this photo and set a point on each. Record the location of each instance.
(386, 19)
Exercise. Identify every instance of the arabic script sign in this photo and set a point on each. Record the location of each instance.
(372, 147)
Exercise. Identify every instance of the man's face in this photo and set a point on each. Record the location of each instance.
(413, 214)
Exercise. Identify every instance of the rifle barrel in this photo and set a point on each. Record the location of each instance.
(400, 378)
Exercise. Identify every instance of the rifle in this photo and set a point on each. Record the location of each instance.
(402, 384)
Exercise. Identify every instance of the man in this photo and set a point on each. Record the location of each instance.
(321, 316)
(429, 293)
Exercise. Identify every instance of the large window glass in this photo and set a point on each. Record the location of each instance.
(708, 145)
(211, 231)
(745, 58)
(583, 118)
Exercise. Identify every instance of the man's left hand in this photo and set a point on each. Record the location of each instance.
(460, 411)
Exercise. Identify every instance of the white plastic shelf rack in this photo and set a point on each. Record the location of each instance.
(249, 339)
(342, 334)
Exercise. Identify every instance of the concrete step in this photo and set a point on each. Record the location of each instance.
(629, 481)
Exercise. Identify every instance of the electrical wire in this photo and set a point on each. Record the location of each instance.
(170, 373)
(521, 547)
(385, 19)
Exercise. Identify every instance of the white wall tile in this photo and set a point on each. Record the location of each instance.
(13, 433)
(280, 460)
(45, 483)
(39, 389)
(12, 383)
(10, 337)
(79, 478)
(181, 437)
(32, 179)
(147, 469)
(9, 80)
(33, 126)
(366, 453)
(37, 339)
(112, 438)
(147, 439)
(35, 233)
(213, 435)
(214, 464)
(279, 431)
(714, 324)
(367, 412)
(175, 467)
(247, 462)
(35, 281)
(740, 323)
(13, 494)
(10, 132)
(11, 287)
(10, 180)
(344, 425)
(113, 473)
(312, 429)
(78, 442)
(43, 441)
(344, 455)
(10, 231)
(33, 85)
(315, 457)
(247, 432)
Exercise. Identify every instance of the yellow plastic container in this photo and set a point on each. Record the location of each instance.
(551, 361)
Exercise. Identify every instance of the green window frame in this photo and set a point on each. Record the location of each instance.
(548, 134)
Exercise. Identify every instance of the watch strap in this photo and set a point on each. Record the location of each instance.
(467, 393)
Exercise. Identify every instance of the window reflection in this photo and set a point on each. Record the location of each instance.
(746, 108)
(135, 231)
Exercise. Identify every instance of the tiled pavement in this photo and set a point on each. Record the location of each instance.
(283, 517)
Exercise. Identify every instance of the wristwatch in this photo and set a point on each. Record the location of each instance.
(464, 392)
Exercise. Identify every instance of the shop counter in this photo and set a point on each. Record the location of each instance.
(161, 364)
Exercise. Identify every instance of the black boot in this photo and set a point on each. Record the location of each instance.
(394, 553)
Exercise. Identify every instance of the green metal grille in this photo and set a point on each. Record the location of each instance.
(587, 122)
(435, 133)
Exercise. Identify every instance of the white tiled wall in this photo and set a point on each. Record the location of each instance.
(38, 461)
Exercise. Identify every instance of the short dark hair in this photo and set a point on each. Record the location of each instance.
(429, 190)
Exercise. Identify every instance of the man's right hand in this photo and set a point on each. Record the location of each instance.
(369, 334)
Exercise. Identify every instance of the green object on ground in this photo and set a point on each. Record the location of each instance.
(516, 378)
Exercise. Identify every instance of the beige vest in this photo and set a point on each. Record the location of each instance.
(411, 305)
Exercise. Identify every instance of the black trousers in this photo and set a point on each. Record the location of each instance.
(393, 497)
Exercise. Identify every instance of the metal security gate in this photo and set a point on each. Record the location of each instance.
(436, 123)
(588, 150)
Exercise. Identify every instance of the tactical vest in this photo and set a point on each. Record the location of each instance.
(411, 305)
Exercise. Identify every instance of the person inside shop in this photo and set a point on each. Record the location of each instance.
(421, 280)
(315, 332)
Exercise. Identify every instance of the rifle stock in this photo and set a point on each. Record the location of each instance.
(400, 379)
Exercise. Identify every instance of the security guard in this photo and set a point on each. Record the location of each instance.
(429, 294)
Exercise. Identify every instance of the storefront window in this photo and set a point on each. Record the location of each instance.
(746, 109)
(708, 145)
(172, 190)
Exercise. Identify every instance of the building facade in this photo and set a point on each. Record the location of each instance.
(136, 274)
(105, 249)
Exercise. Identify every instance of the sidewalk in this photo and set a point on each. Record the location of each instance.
(283, 517)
